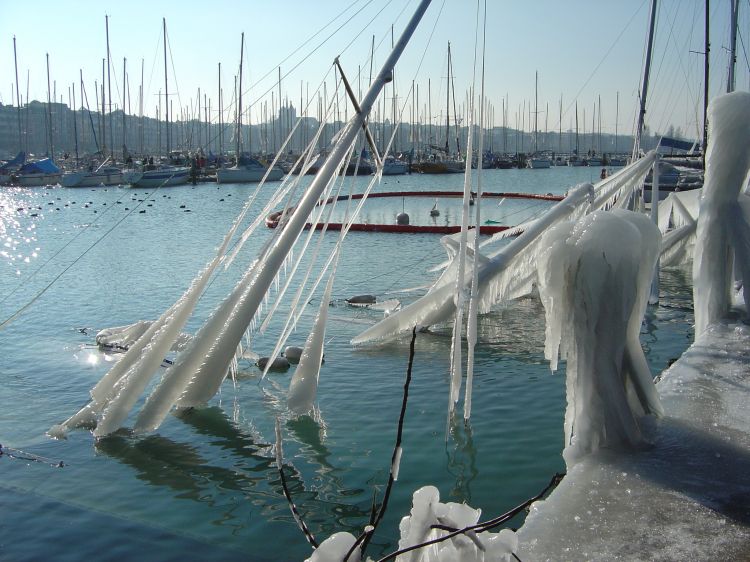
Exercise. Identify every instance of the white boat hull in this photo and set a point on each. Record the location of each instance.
(395, 168)
(39, 180)
(540, 163)
(157, 178)
(91, 179)
(250, 174)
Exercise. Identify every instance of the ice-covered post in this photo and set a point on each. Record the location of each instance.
(723, 235)
(594, 280)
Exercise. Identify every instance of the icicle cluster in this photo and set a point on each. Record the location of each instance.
(594, 281)
(723, 232)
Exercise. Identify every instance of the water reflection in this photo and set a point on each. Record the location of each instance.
(461, 459)
(194, 471)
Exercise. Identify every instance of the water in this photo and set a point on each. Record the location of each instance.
(205, 486)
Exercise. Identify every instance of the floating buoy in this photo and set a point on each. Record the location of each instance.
(293, 353)
(278, 364)
(361, 299)
(402, 218)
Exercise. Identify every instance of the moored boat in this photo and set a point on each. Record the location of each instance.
(248, 170)
(158, 177)
(39, 173)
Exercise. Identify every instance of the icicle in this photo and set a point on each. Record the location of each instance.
(145, 355)
(304, 385)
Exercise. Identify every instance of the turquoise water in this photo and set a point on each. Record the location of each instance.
(205, 486)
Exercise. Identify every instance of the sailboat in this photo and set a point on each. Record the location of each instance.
(537, 160)
(246, 168)
(440, 161)
(159, 175)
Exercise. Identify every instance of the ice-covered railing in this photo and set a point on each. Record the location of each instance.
(723, 230)
(595, 288)
(509, 272)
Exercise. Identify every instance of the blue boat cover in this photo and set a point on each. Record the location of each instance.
(45, 166)
(668, 142)
(17, 161)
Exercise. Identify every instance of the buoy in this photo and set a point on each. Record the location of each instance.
(278, 364)
(361, 299)
(402, 218)
(434, 211)
(293, 353)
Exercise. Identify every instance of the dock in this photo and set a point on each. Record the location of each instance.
(685, 497)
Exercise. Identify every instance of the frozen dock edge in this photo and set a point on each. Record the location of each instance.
(687, 497)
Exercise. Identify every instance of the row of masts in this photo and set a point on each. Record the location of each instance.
(164, 114)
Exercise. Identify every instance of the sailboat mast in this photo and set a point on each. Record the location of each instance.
(166, 84)
(49, 111)
(536, 109)
(705, 87)
(646, 72)
(124, 94)
(448, 103)
(732, 48)
(239, 103)
(18, 98)
(617, 117)
(109, 91)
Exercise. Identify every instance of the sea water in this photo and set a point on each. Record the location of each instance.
(205, 485)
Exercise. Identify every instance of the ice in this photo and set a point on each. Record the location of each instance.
(334, 548)
(509, 272)
(427, 510)
(304, 384)
(595, 289)
(684, 498)
(722, 227)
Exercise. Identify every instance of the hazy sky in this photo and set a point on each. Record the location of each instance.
(583, 50)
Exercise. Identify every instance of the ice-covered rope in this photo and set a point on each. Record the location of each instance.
(111, 395)
(329, 195)
(292, 317)
(289, 184)
(471, 320)
(298, 309)
(459, 295)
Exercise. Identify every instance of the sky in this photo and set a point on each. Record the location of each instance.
(584, 52)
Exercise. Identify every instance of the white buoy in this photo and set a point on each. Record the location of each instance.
(293, 353)
(278, 364)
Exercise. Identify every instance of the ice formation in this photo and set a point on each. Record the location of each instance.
(594, 281)
(723, 232)
(510, 271)
(334, 548)
(427, 510)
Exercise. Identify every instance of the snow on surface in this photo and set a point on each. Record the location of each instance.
(686, 497)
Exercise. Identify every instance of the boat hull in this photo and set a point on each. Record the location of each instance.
(39, 180)
(247, 175)
(157, 178)
(91, 179)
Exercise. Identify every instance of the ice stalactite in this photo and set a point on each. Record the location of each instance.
(723, 232)
(459, 284)
(304, 385)
(594, 281)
